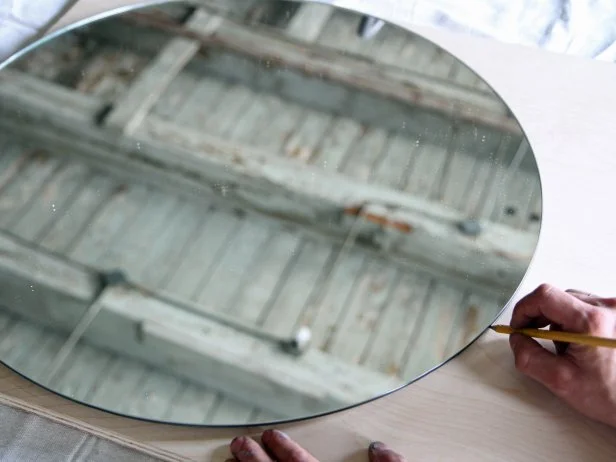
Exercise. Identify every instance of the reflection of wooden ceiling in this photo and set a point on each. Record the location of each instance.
(134, 102)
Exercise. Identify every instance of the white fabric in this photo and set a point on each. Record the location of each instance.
(579, 27)
(23, 20)
(27, 437)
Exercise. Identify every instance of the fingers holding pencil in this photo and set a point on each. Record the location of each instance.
(592, 299)
(584, 376)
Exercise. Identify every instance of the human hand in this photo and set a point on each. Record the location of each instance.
(584, 377)
(280, 448)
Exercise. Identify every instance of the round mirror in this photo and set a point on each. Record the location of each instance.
(247, 212)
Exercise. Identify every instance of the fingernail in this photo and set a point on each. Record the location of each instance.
(271, 435)
(281, 435)
(376, 446)
(236, 444)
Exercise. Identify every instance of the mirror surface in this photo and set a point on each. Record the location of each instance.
(252, 211)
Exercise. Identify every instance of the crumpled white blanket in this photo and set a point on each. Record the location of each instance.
(579, 27)
(21, 21)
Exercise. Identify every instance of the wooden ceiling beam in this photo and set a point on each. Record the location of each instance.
(394, 224)
(273, 50)
(56, 293)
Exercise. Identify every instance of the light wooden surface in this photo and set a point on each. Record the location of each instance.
(476, 407)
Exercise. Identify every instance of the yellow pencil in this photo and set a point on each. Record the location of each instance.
(567, 337)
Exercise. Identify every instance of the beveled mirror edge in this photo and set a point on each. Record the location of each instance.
(349, 5)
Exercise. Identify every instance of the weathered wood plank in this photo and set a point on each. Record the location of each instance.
(251, 121)
(283, 315)
(52, 202)
(428, 345)
(475, 313)
(362, 156)
(111, 222)
(35, 364)
(397, 162)
(273, 270)
(123, 378)
(97, 399)
(303, 143)
(156, 78)
(513, 196)
(233, 268)
(460, 176)
(8, 323)
(444, 174)
(520, 188)
(172, 246)
(492, 190)
(440, 64)
(201, 103)
(75, 218)
(335, 147)
(153, 395)
(483, 172)
(340, 33)
(308, 22)
(13, 158)
(47, 287)
(227, 411)
(332, 298)
(388, 46)
(151, 83)
(284, 119)
(60, 101)
(356, 325)
(423, 180)
(219, 228)
(461, 74)
(200, 161)
(23, 339)
(176, 96)
(83, 372)
(411, 88)
(138, 236)
(397, 325)
(7, 320)
(108, 74)
(192, 405)
(234, 101)
(18, 194)
(536, 206)
(261, 416)
(286, 385)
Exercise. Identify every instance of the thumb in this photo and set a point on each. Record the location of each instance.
(557, 373)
